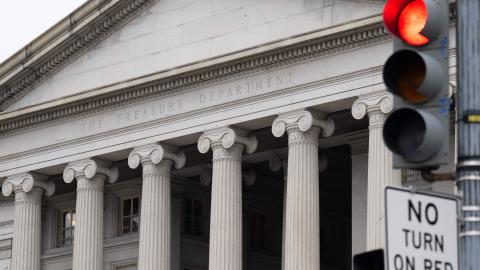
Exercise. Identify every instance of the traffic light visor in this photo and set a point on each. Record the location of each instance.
(413, 134)
(407, 19)
(414, 76)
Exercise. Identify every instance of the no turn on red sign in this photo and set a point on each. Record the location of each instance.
(421, 230)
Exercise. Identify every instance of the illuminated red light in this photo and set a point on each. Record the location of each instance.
(406, 19)
(411, 22)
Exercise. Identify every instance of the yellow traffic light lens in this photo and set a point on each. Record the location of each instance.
(404, 74)
(411, 22)
(409, 79)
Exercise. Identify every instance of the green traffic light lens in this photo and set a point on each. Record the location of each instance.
(404, 132)
(413, 134)
(404, 74)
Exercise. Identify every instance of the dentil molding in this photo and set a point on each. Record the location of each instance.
(342, 41)
(325, 45)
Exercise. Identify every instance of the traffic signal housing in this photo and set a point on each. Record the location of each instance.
(417, 131)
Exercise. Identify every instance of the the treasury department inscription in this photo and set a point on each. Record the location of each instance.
(187, 102)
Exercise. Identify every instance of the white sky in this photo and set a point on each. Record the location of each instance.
(21, 21)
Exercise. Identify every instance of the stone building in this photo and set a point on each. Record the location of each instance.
(197, 134)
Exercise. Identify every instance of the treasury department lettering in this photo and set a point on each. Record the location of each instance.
(188, 101)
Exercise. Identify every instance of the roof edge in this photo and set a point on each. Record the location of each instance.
(61, 27)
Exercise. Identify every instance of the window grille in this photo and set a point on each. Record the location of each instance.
(68, 227)
(130, 215)
(193, 217)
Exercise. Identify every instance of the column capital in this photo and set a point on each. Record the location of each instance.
(377, 102)
(227, 137)
(26, 182)
(156, 153)
(302, 120)
(88, 168)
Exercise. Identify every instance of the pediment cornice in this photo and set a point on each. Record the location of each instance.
(322, 43)
(61, 44)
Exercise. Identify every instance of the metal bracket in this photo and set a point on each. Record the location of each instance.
(469, 233)
(468, 178)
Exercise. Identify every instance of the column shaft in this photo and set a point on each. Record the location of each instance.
(302, 236)
(88, 236)
(26, 235)
(284, 214)
(155, 250)
(380, 171)
(155, 220)
(380, 174)
(226, 209)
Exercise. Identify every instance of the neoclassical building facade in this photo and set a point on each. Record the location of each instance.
(198, 134)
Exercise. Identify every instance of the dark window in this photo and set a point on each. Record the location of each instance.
(322, 245)
(68, 227)
(257, 230)
(193, 217)
(130, 215)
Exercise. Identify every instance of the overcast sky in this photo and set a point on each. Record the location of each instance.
(23, 20)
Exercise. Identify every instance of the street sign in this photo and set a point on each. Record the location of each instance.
(421, 230)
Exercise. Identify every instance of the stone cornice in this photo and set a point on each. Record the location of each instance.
(46, 54)
(324, 42)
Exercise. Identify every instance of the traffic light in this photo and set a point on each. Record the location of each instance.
(417, 131)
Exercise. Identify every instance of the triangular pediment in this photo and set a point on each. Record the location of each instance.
(165, 34)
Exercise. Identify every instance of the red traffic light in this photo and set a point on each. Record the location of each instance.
(407, 20)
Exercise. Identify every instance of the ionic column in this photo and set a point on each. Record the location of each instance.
(155, 220)
(88, 236)
(302, 216)
(28, 189)
(226, 204)
(380, 172)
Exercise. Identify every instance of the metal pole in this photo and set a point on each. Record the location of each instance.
(468, 103)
